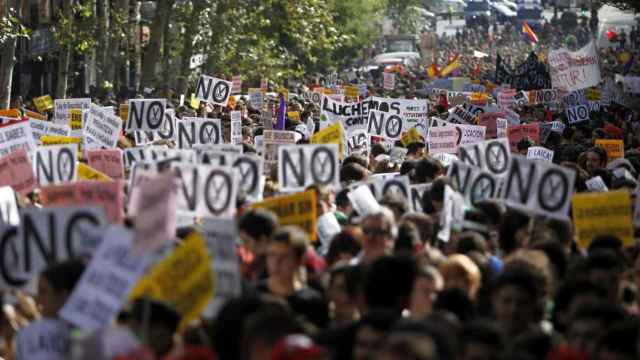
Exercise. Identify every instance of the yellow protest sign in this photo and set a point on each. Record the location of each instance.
(593, 94)
(86, 172)
(333, 134)
(194, 103)
(183, 280)
(43, 103)
(297, 209)
(603, 213)
(10, 113)
(75, 119)
(293, 115)
(34, 115)
(351, 91)
(60, 140)
(478, 98)
(614, 148)
(411, 136)
(123, 110)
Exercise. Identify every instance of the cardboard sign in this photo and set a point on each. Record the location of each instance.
(55, 164)
(489, 120)
(153, 208)
(444, 137)
(256, 98)
(574, 70)
(578, 114)
(64, 106)
(518, 132)
(596, 184)
(458, 115)
(106, 195)
(614, 148)
(198, 131)
(206, 191)
(493, 156)
(302, 165)
(297, 209)
(46, 236)
(16, 136)
(476, 185)
(221, 235)
(540, 153)
(398, 185)
(358, 143)
(104, 128)
(16, 171)
(272, 140)
(145, 114)
(10, 113)
(46, 338)
(166, 132)
(76, 119)
(43, 103)
(107, 161)
(236, 82)
(86, 172)
(351, 91)
(386, 125)
(9, 213)
(182, 280)
(213, 90)
(333, 134)
(236, 128)
(363, 201)
(417, 194)
(540, 187)
(603, 213)
(389, 81)
(40, 128)
(545, 96)
(452, 212)
(106, 282)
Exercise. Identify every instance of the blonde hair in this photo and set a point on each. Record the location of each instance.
(463, 263)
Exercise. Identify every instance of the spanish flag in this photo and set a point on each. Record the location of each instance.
(433, 71)
(527, 30)
(452, 65)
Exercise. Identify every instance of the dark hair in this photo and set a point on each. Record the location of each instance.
(352, 172)
(64, 276)
(269, 326)
(389, 281)
(293, 236)
(355, 159)
(342, 242)
(258, 222)
(621, 339)
(155, 313)
(427, 169)
(408, 238)
(601, 152)
(567, 292)
(378, 149)
(457, 302)
(482, 332)
(522, 275)
(603, 311)
(511, 222)
(395, 202)
(341, 197)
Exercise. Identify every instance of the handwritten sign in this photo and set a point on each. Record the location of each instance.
(107, 161)
(603, 213)
(297, 209)
(614, 148)
(16, 171)
(108, 195)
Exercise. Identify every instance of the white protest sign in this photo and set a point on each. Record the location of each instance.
(106, 282)
(55, 164)
(544, 96)
(256, 98)
(540, 187)
(578, 114)
(236, 82)
(198, 131)
(389, 81)
(15, 137)
(220, 236)
(44, 339)
(386, 125)
(358, 142)
(236, 128)
(395, 185)
(574, 70)
(501, 128)
(417, 194)
(540, 153)
(493, 156)
(557, 126)
(475, 184)
(63, 108)
(363, 201)
(596, 184)
(302, 165)
(250, 170)
(39, 128)
(9, 213)
(103, 128)
(213, 90)
(271, 140)
(206, 191)
(166, 132)
(411, 111)
(47, 236)
(327, 227)
(459, 115)
(145, 114)
(443, 139)
(452, 212)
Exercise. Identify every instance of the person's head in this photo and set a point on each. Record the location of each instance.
(156, 323)
(480, 341)
(427, 285)
(396, 202)
(55, 285)
(516, 297)
(264, 329)
(423, 223)
(514, 231)
(379, 231)
(620, 342)
(595, 159)
(324, 196)
(427, 169)
(590, 321)
(461, 272)
(606, 268)
(371, 331)
(285, 252)
(343, 204)
(344, 246)
(255, 227)
(353, 172)
(569, 296)
(524, 145)
(342, 305)
(389, 281)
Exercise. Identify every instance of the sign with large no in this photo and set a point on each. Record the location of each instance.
(198, 131)
(302, 165)
(213, 90)
(55, 164)
(146, 114)
(206, 191)
(475, 184)
(384, 124)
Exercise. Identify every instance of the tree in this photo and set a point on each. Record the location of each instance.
(152, 52)
(404, 16)
(11, 29)
(188, 40)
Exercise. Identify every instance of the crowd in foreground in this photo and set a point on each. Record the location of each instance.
(507, 284)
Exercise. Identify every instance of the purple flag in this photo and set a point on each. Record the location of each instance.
(282, 114)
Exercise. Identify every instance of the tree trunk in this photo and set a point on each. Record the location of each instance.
(123, 47)
(214, 57)
(102, 49)
(65, 56)
(152, 54)
(137, 47)
(191, 29)
(7, 62)
(166, 59)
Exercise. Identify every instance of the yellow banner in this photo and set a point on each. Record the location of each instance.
(293, 115)
(86, 172)
(297, 209)
(183, 280)
(614, 148)
(333, 134)
(351, 91)
(75, 120)
(603, 213)
(43, 103)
